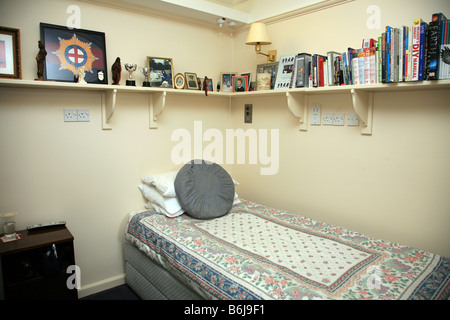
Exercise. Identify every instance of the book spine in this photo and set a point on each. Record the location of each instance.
(416, 49)
(383, 58)
(388, 53)
(321, 71)
(394, 55)
(400, 54)
(422, 48)
(355, 67)
(435, 33)
(380, 59)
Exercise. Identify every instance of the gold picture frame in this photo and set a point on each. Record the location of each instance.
(10, 59)
(191, 80)
(161, 71)
(179, 81)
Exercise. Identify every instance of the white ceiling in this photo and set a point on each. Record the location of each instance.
(207, 12)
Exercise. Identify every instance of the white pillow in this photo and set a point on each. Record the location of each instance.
(153, 206)
(163, 182)
(166, 205)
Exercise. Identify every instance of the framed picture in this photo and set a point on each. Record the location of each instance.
(240, 84)
(226, 81)
(180, 81)
(161, 72)
(271, 68)
(248, 75)
(10, 66)
(71, 50)
(191, 80)
(209, 84)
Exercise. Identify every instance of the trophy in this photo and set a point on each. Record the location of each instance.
(146, 73)
(130, 67)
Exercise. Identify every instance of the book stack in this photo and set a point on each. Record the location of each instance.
(408, 53)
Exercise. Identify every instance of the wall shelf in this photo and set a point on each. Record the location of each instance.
(296, 99)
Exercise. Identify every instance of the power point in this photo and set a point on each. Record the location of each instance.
(83, 115)
(248, 113)
(70, 115)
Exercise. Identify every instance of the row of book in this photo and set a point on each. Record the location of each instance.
(415, 53)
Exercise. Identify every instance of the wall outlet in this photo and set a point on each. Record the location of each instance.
(352, 119)
(338, 119)
(328, 118)
(70, 115)
(315, 115)
(83, 115)
(248, 113)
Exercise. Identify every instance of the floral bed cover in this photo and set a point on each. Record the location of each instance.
(256, 252)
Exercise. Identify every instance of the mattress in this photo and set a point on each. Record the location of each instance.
(260, 253)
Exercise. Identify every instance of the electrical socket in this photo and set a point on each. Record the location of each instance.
(70, 115)
(352, 119)
(83, 115)
(248, 113)
(338, 119)
(328, 118)
(315, 115)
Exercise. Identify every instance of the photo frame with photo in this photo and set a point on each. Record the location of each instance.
(191, 81)
(10, 56)
(161, 72)
(179, 81)
(271, 68)
(71, 50)
(226, 81)
(240, 84)
(210, 83)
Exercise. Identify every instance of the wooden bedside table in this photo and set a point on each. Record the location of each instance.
(30, 269)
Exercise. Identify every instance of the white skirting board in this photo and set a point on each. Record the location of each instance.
(102, 285)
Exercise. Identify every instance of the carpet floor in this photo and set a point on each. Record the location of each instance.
(122, 292)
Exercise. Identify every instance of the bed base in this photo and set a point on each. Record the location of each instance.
(150, 281)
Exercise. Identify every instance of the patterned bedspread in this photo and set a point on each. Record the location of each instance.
(256, 252)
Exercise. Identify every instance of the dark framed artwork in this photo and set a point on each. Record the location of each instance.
(161, 72)
(10, 65)
(71, 50)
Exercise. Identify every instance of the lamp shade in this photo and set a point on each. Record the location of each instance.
(258, 34)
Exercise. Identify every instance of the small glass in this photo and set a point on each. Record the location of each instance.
(9, 225)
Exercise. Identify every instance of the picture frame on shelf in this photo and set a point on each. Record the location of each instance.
(161, 72)
(191, 80)
(271, 68)
(210, 83)
(69, 51)
(248, 75)
(179, 81)
(240, 84)
(226, 81)
(10, 56)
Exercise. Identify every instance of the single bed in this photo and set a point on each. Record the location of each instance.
(255, 252)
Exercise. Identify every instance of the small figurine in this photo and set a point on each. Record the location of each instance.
(40, 59)
(81, 74)
(116, 70)
(205, 85)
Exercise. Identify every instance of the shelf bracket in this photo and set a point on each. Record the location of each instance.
(298, 105)
(156, 104)
(108, 107)
(363, 106)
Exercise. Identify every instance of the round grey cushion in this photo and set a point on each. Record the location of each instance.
(205, 190)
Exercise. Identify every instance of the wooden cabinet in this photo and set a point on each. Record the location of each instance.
(35, 266)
